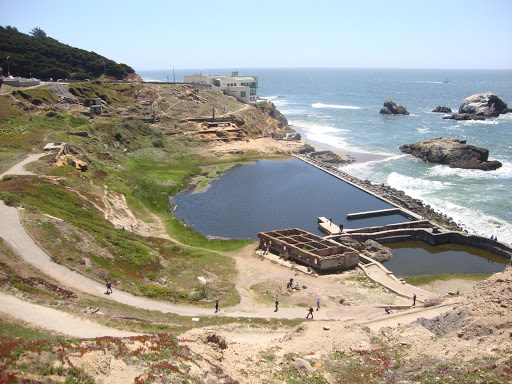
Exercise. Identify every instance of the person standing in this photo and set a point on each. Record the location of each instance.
(265, 248)
(217, 306)
(317, 304)
(310, 312)
(413, 300)
(277, 305)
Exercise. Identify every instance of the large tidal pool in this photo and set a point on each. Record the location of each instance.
(271, 195)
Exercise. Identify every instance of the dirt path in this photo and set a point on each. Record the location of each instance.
(19, 169)
(54, 320)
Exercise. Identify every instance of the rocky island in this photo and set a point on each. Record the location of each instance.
(392, 108)
(453, 152)
(480, 106)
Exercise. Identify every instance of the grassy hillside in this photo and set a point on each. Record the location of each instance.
(127, 158)
(40, 56)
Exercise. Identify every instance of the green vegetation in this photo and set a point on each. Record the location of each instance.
(429, 279)
(40, 56)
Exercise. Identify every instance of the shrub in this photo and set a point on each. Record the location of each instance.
(10, 199)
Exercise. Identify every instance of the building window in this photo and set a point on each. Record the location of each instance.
(243, 94)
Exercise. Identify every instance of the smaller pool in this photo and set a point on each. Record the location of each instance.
(419, 258)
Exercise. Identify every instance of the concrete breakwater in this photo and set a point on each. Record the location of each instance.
(436, 230)
(413, 207)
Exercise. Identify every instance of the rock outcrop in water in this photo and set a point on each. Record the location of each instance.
(481, 106)
(392, 108)
(453, 152)
(440, 109)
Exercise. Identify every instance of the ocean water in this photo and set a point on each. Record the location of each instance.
(340, 108)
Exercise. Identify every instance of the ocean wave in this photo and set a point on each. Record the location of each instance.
(315, 128)
(278, 101)
(473, 220)
(415, 185)
(425, 82)
(423, 130)
(334, 106)
(504, 172)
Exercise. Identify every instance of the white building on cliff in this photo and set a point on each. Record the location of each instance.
(242, 88)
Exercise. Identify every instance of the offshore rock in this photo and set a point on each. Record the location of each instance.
(484, 104)
(440, 109)
(465, 116)
(452, 152)
(392, 108)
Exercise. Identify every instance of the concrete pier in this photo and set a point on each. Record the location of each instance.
(378, 213)
(328, 227)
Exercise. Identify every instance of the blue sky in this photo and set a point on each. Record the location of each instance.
(241, 34)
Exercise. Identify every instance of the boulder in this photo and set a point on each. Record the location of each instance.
(377, 251)
(392, 108)
(453, 152)
(326, 157)
(306, 148)
(440, 109)
(484, 104)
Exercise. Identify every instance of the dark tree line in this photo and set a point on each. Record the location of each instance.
(37, 55)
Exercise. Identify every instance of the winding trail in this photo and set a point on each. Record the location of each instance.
(14, 233)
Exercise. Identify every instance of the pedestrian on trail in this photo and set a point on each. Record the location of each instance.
(109, 288)
(341, 227)
(217, 306)
(277, 305)
(317, 304)
(413, 300)
(265, 248)
(310, 312)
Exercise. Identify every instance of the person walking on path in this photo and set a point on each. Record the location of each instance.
(414, 300)
(265, 248)
(109, 288)
(317, 304)
(217, 306)
(310, 312)
(277, 305)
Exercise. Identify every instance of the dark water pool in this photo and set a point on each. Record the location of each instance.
(419, 258)
(270, 195)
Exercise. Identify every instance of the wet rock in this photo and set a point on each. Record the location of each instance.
(484, 104)
(452, 152)
(440, 109)
(392, 108)
(457, 116)
(326, 157)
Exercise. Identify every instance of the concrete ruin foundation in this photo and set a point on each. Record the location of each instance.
(322, 255)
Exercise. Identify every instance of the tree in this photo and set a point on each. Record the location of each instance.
(38, 32)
